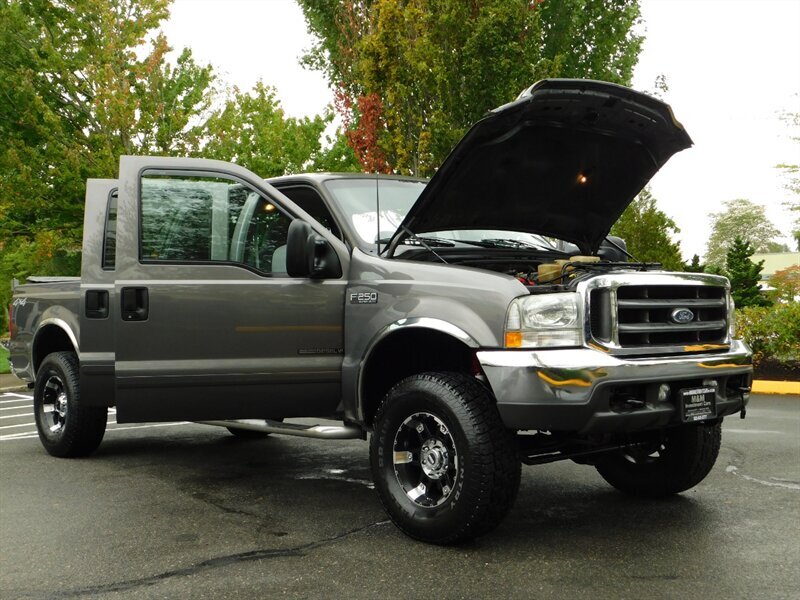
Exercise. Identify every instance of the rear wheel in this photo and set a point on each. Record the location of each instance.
(676, 460)
(66, 427)
(444, 466)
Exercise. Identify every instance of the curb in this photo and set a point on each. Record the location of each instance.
(763, 386)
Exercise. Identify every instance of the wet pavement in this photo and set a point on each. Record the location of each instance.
(184, 510)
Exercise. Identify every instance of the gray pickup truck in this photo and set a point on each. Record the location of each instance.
(467, 324)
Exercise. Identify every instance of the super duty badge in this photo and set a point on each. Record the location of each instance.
(364, 298)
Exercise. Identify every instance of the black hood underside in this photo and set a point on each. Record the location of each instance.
(564, 160)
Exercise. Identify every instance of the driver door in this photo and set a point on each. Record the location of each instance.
(210, 324)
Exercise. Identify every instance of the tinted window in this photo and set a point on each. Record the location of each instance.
(110, 234)
(310, 201)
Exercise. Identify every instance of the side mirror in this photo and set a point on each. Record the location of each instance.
(611, 253)
(309, 254)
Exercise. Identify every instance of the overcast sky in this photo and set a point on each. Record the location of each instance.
(732, 67)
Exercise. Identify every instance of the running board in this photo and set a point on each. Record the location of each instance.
(320, 432)
(544, 457)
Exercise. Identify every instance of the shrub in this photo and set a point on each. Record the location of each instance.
(773, 332)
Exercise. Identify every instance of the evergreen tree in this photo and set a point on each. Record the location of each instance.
(648, 232)
(694, 266)
(744, 275)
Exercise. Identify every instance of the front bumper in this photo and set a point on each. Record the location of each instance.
(589, 391)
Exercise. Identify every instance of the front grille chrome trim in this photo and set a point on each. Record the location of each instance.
(662, 337)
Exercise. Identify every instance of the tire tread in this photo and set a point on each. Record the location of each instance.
(493, 449)
(86, 425)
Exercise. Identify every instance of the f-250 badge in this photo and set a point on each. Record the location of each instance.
(364, 298)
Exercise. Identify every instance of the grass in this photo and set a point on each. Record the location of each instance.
(4, 366)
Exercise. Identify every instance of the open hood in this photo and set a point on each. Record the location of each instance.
(563, 160)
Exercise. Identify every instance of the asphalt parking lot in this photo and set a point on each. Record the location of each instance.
(189, 511)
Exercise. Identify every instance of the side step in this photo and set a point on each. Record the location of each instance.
(320, 432)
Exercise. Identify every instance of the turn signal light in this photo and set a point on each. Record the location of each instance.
(513, 339)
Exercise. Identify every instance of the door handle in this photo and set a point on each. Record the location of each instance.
(135, 304)
(96, 304)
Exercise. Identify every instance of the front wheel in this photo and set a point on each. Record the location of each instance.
(66, 427)
(444, 466)
(674, 461)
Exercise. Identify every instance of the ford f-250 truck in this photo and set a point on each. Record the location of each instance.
(468, 325)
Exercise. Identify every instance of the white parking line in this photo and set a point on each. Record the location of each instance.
(25, 414)
(23, 405)
(28, 435)
(10, 426)
(779, 483)
(19, 398)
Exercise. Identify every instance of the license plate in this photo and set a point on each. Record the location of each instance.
(698, 404)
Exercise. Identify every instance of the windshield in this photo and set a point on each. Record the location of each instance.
(358, 200)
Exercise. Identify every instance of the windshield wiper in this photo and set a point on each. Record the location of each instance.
(512, 243)
(433, 241)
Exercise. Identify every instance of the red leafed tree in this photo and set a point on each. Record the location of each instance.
(363, 129)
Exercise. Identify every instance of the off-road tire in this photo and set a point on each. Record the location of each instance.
(80, 429)
(684, 457)
(485, 452)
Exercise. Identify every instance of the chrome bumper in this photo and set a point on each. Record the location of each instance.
(578, 389)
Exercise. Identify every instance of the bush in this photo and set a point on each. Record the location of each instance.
(771, 331)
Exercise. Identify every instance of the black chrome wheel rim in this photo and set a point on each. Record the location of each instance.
(425, 460)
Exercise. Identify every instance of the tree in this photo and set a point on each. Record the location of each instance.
(648, 233)
(786, 283)
(434, 67)
(744, 275)
(81, 86)
(252, 130)
(744, 219)
(694, 266)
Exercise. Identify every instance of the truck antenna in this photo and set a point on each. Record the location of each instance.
(378, 212)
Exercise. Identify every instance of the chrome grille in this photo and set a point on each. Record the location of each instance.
(642, 316)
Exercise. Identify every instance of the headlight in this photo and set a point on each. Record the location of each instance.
(546, 321)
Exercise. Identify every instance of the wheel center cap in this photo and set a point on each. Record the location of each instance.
(434, 459)
(61, 404)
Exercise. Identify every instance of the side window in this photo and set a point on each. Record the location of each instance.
(310, 201)
(264, 242)
(109, 262)
(200, 219)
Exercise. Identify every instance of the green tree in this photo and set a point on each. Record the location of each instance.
(431, 68)
(252, 130)
(694, 266)
(746, 220)
(648, 232)
(744, 275)
(82, 84)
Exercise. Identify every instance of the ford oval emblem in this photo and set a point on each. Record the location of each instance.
(682, 316)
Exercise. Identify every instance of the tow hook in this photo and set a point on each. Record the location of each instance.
(743, 391)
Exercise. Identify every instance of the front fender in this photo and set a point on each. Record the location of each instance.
(386, 296)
